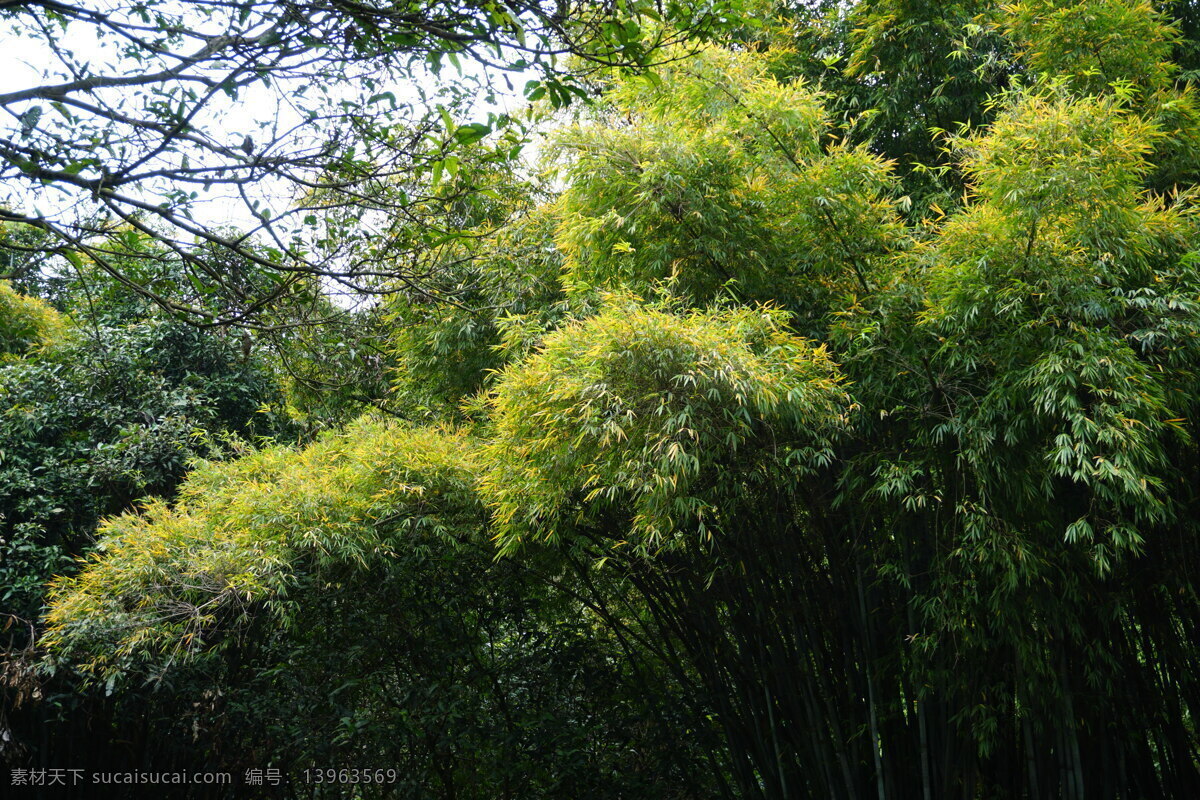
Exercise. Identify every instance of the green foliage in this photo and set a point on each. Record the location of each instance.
(889, 508)
(329, 362)
(233, 540)
(364, 618)
(331, 372)
(1094, 45)
(26, 323)
(912, 68)
(491, 301)
(641, 411)
(1031, 412)
(1060, 161)
(134, 127)
(97, 421)
(471, 678)
(1118, 49)
(717, 180)
(1039, 287)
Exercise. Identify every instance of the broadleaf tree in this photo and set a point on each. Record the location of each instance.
(163, 116)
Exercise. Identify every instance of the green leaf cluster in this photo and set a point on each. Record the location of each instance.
(241, 532)
(1094, 45)
(27, 324)
(722, 178)
(657, 416)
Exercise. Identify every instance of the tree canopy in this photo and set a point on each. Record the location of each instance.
(161, 117)
(817, 421)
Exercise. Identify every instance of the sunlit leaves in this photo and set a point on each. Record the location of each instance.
(1094, 44)
(26, 323)
(170, 581)
(719, 181)
(643, 411)
(1050, 158)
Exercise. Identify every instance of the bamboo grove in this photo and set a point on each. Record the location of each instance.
(824, 427)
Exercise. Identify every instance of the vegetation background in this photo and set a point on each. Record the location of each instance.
(816, 419)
